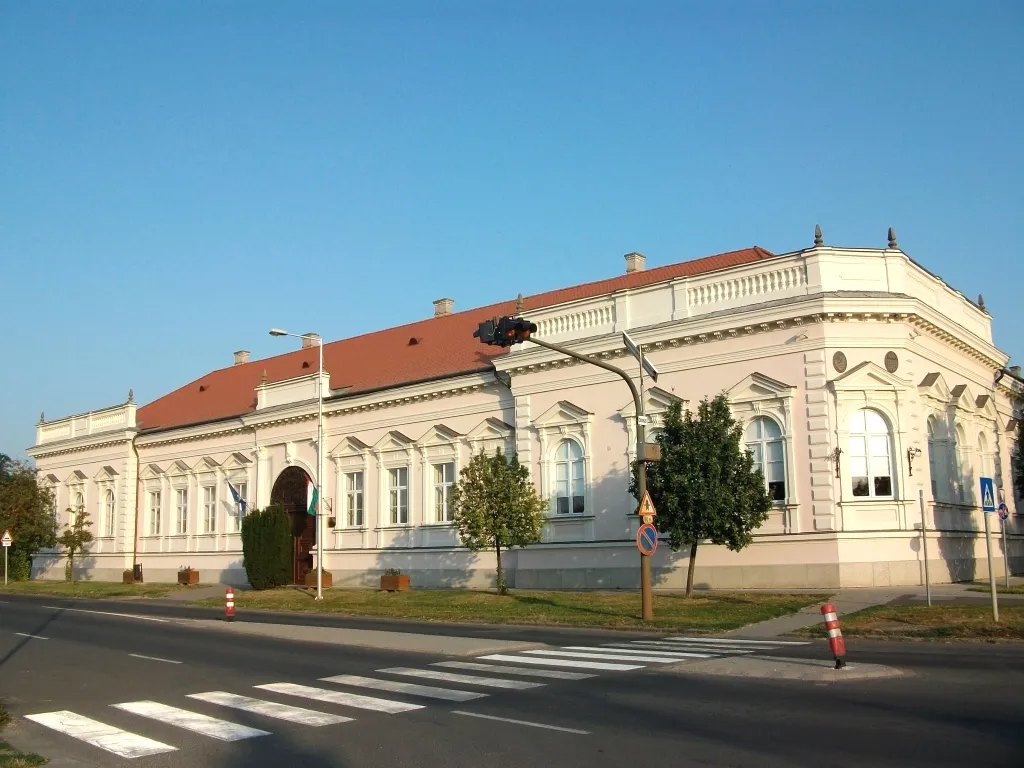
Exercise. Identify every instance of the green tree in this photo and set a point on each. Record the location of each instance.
(705, 486)
(494, 506)
(75, 538)
(26, 510)
(267, 547)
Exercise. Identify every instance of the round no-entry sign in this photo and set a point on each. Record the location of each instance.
(647, 539)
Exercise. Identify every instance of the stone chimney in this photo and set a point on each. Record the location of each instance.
(241, 356)
(1015, 370)
(443, 307)
(310, 340)
(635, 262)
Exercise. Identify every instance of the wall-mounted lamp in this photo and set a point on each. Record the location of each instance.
(834, 457)
(912, 453)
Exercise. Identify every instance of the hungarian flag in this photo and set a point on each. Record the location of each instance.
(312, 497)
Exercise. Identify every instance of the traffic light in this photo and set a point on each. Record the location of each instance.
(505, 331)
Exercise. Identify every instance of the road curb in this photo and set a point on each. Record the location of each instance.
(782, 668)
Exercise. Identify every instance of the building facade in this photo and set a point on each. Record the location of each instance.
(861, 381)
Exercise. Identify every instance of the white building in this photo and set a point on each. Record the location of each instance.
(860, 377)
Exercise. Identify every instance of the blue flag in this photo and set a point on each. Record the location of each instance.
(238, 500)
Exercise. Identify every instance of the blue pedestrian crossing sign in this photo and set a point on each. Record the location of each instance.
(988, 495)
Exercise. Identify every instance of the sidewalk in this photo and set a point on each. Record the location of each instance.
(851, 600)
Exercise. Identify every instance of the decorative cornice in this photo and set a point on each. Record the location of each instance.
(78, 445)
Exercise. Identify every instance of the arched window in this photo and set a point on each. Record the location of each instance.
(569, 478)
(964, 487)
(108, 513)
(79, 502)
(985, 464)
(764, 439)
(870, 455)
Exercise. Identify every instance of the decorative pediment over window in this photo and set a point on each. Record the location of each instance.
(985, 406)
(179, 467)
(51, 478)
(491, 434)
(934, 386)
(656, 401)
(866, 377)
(439, 434)
(151, 471)
(757, 386)
(563, 413)
(105, 473)
(76, 476)
(961, 395)
(205, 464)
(393, 441)
(237, 460)
(349, 446)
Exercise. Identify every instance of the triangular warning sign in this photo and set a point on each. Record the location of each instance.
(646, 506)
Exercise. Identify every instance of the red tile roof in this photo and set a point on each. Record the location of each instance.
(445, 347)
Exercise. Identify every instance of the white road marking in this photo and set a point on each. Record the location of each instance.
(562, 662)
(107, 613)
(191, 721)
(397, 686)
(735, 641)
(667, 646)
(154, 658)
(271, 709)
(107, 737)
(490, 682)
(599, 656)
(522, 722)
(499, 669)
(340, 697)
(620, 648)
(34, 637)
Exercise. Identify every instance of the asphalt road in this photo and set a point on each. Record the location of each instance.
(960, 706)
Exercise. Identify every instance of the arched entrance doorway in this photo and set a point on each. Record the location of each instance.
(290, 492)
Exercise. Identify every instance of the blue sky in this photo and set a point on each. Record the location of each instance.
(175, 178)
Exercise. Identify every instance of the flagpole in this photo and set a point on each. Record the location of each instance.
(319, 475)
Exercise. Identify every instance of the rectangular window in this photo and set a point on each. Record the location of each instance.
(240, 508)
(354, 499)
(181, 509)
(444, 477)
(398, 480)
(154, 513)
(210, 509)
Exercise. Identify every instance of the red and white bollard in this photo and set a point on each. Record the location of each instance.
(229, 604)
(835, 635)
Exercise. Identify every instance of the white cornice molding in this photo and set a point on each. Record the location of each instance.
(79, 444)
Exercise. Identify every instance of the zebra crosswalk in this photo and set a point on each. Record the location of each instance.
(394, 693)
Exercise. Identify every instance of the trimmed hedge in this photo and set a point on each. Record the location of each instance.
(267, 547)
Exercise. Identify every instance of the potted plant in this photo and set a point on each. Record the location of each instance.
(188, 576)
(327, 582)
(393, 580)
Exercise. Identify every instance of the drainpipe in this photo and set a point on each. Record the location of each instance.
(138, 498)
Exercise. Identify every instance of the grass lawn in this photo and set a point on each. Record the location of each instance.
(11, 758)
(87, 589)
(940, 622)
(1002, 589)
(704, 612)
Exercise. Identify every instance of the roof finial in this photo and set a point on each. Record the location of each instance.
(131, 395)
(42, 417)
(892, 238)
(263, 377)
(817, 235)
(981, 303)
(519, 304)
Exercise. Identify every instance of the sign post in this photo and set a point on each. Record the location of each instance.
(1003, 514)
(988, 505)
(924, 549)
(6, 540)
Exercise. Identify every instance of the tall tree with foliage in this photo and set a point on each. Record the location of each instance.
(26, 510)
(267, 547)
(705, 486)
(495, 507)
(75, 538)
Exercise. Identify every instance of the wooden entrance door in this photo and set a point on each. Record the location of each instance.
(290, 492)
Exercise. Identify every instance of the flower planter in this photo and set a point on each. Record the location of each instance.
(398, 583)
(188, 577)
(327, 581)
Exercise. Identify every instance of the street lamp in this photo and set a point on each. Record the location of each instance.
(319, 457)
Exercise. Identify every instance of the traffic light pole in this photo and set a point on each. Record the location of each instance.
(647, 604)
